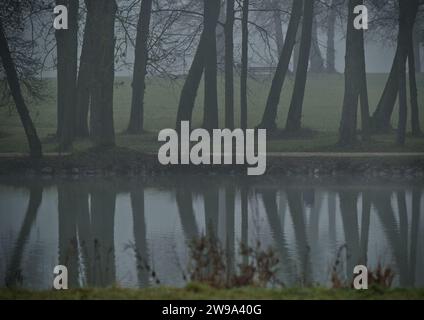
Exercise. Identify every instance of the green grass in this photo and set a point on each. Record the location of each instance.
(202, 292)
(322, 107)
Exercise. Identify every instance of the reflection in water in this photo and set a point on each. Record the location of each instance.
(306, 227)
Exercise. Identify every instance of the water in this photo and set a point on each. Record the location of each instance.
(102, 228)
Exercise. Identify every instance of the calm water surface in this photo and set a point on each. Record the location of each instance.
(101, 228)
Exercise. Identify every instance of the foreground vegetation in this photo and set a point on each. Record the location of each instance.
(323, 101)
(201, 292)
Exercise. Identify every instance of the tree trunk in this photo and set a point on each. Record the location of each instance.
(383, 113)
(67, 65)
(415, 118)
(278, 26)
(270, 113)
(229, 66)
(84, 80)
(191, 85)
(295, 112)
(331, 51)
(136, 122)
(363, 90)
(210, 115)
(15, 89)
(244, 64)
(102, 128)
(406, 25)
(347, 132)
(317, 62)
(416, 48)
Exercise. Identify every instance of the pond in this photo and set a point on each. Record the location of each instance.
(101, 228)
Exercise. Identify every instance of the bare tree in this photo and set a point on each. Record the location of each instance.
(244, 64)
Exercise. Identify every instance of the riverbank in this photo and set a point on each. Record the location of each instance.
(201, 292)
(126, 162)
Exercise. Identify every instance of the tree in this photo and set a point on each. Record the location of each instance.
(383, 113)
(317, 61)
(295, 112)
(244, 64)
(407, 14)
(101, 121)
(210, 114)
(331, 26)
(84, 78)
(229, 65)
(270, 113)
(355, 81)
(412, 68)
(67, 65)
(15, 89)
(136, 123)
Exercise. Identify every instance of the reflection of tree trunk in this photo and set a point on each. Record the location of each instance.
(415, 223)
(332, 230)
(294, 116)
(229, 66)
(137, 204)
(136, 123)
(68, 242)
(14, 269)
(365, 227)
(230, 226)
(210, 199)
(349, 212)
(299, 225)
(270, 203)
(103, 199)
(85, 232)
(270, 113)
(244, 219)
(184, 199)
(244, 65)
(382, 202)
(15, 89)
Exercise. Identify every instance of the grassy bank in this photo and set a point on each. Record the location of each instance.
(200, 292)
(322, 108)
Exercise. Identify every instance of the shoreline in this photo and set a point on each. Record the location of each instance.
(126, 162)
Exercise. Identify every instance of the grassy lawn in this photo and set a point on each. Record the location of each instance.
(201, 292)
(322, 107)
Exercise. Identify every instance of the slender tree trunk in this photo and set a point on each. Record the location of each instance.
(415, 118)
(407, 14)
(67, 65)
(229, 66)
(416, 48)
(136, 122)
(84, 81)
(102, 128)
(363, 90)
(331, 26)
(270, 113)
(347, 132)
(191, 85)
(210, 115)
(15, 89)
(278, 26)
(317, 62)
(295, 112)
(244, 64)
